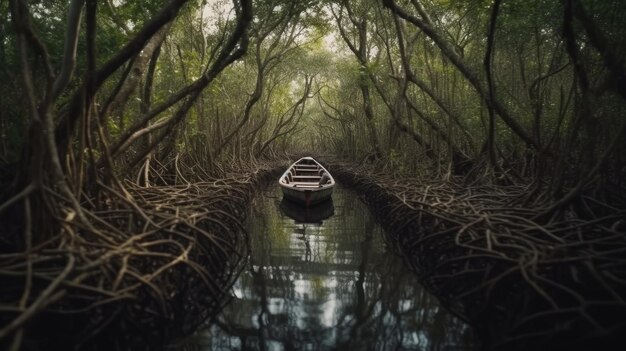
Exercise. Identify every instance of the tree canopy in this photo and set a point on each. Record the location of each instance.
(94, 91)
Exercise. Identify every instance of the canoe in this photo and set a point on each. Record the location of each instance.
(307, 182)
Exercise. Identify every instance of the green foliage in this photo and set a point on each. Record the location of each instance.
(533, 73)
(134, 12)
(12, 121)
(397, 162)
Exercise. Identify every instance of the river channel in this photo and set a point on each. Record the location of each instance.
(324, 279)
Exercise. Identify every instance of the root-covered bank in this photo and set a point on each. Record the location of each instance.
(522, 279)
(149, 265)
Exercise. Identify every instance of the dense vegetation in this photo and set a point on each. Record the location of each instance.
(521, 90)
(97, 93)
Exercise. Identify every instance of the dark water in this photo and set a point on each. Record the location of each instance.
(326, 285)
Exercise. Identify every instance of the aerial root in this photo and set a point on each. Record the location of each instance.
(152, 261)
(479, 250)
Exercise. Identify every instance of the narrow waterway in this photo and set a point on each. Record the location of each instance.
(324, 279)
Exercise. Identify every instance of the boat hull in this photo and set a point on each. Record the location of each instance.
(308, 197)
(307, 182)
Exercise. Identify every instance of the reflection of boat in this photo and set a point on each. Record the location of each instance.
(307, 182)
(307, 214)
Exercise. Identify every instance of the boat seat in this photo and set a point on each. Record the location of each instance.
(305, 185)
(307, 170)
(306, 177)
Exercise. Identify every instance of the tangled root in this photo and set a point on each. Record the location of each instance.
(491, 256)
(149, 264)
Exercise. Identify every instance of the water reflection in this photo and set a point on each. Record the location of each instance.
(304, 214)
(330, 284)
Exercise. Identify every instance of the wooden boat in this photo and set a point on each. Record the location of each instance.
(307, 182)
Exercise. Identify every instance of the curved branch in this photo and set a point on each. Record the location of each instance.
(69, 50)
(229, 53)
(449, 51)
(66, 127)
(491, 133)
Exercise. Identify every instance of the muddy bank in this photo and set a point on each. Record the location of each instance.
(520, 282)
